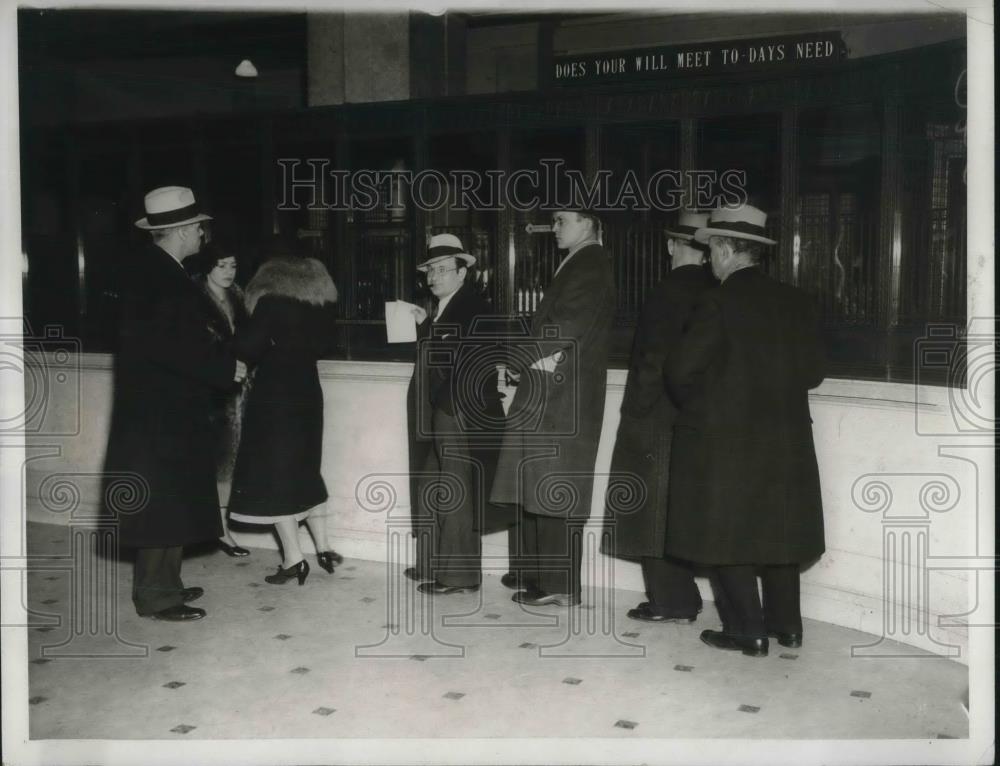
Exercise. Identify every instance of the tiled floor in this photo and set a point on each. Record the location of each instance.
(320, 661)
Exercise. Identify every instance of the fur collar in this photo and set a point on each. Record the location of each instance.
(302, 279)
(234, 293)
(231, 309)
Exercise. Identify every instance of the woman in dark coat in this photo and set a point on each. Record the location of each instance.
(277, 478)
(214, 270)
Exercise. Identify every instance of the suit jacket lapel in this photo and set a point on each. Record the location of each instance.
(453, 310)
(565, 274)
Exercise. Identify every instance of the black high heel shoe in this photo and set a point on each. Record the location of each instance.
(328, 560)
(236, 551)
(300, 572)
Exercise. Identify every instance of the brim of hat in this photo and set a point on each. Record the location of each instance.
(591, 214)
(702, 236)
(143, 223)
(469, 260)
(679, 235)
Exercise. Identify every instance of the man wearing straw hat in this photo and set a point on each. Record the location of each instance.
(744, 490)
(456, 409)
(160, 483)
(642, 447)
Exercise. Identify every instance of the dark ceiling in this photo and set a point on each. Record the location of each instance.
(99, 35)
(78, 35)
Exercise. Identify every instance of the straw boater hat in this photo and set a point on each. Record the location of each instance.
(688, 222)
(744, 222)
(170, 206)
(445, 246)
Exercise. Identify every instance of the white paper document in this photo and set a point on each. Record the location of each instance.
(400, 324)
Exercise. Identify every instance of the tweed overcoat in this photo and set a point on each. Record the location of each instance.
(744, 483)
(636, 503)
(554, 423)
(160, 482)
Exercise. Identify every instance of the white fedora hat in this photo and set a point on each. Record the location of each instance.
(445, 246)
(744, 222)
(688, 222)
(170, 206)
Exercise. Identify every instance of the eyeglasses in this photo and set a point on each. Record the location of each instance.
(439, 271)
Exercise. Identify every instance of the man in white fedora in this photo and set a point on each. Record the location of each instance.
(160, 445)
(642, 447)
(744, 488)
(453, 404)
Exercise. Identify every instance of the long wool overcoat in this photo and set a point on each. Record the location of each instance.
(291, 326)
(455, 371)
(160, 482)
(636, 503)
(554, 423)
(744, 485)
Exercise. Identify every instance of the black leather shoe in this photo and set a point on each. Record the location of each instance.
(528, 592)
(179, 613)
(751, 647)
(298, 572)
(191, 594)
(414, 575)
(327, 560)
(235, 551)
(438, 589)
(541, 598)
(791, 640)
(511, 580)
(644, 613)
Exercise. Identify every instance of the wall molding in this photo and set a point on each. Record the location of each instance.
(837, 391)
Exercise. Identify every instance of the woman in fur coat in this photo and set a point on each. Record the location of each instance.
(277, 475)
(215, 272)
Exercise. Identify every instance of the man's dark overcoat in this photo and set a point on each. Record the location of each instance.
(167, 367)
(640, 463)
(554, 423)
(744, 483)
(418, 432)
(455, 371)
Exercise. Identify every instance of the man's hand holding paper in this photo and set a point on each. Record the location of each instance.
(401, 321)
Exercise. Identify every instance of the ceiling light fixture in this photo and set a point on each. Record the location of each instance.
(246, 69)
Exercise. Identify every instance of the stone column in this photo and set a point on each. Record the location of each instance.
(358, 57)
(325, 58)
